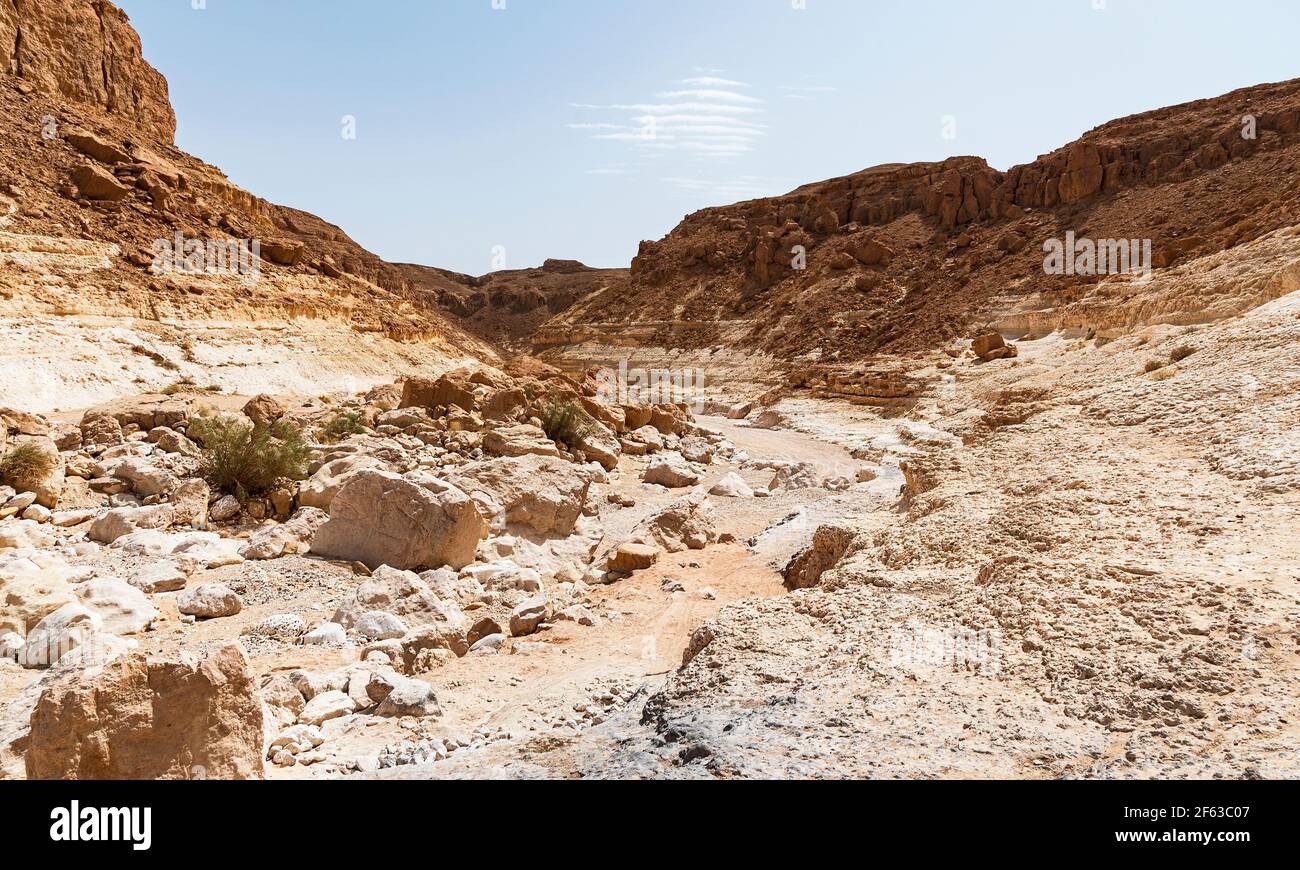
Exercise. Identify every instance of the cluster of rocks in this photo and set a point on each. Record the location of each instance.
(473, 531)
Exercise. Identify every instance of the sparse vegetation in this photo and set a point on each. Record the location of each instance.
(247, 460)
(1154, 365)
(1181, 353)
(25, 465)
(185, 385)
(342, 426)
(564, 421)
(158, 359)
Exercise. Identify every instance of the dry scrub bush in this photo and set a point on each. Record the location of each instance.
(247, 460)
(25, 465)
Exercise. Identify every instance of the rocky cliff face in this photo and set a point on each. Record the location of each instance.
(93, 193)
(902, 257)
(85, 51)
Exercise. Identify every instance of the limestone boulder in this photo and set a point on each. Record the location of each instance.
(122, 608)
(542, 494)
(285, 539)
(146, 412)
(688, 524)
(319, 490)
(672, 471)
(137, 718)
(732, 485)
(379, 518)
(209, 601)
(521, 440)
(94, 182)
(120, 522)
(264, 410)
(403, 595)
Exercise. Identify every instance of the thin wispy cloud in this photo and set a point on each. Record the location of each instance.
(711, 82)
(806, 93)
(702, 94)
(707, 117)
(718, 191)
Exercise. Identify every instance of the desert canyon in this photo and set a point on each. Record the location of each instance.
(920, 508)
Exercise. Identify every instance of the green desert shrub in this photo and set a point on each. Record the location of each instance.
(246, 460)
(26, 464)
(564, 421)
(345, 424)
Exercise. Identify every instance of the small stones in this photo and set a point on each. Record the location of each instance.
(410, 752)
(295, 745)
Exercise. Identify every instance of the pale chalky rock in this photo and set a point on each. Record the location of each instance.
(122, 608)
(71, 626)
(695, 449)
(24, 534)
(160, 577)
(281, 626)
(732, 485)
(145, 477)
(325, 634)
(33, 588)
(672, 471)
(379, 519)
(125, 520)
(688, 524)
(632, 557)
(410, 698)
(15, 505)
(11, 645)
(69, 518)
(601, 446)
(141, 719)
(542, 494)
(527, 617)
(319, 490)
(523, 440)
(37, 514)
(190, 499)
(209, 601)
(326, 706)
(377, 625)
(285, 539)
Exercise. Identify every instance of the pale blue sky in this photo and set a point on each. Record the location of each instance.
(525, 127)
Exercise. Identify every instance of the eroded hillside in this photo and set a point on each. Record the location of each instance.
(904, 257)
